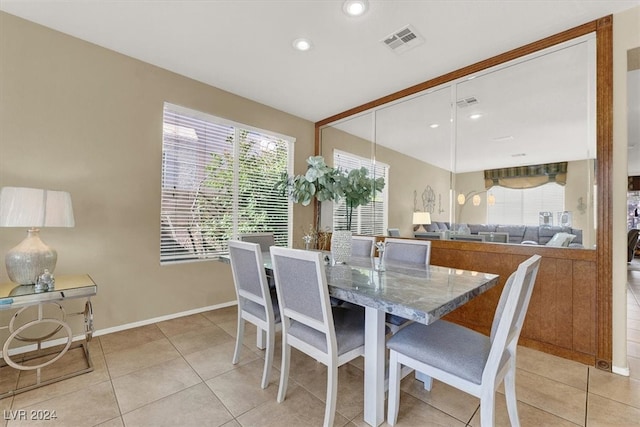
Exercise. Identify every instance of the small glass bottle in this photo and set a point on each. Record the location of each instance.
(380, 265)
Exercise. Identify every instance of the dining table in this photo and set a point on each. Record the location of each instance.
(418, 293)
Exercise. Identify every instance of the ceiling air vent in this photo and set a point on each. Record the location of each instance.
(404, 39)
(465, 102)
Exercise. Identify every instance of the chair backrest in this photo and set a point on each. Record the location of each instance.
(249, 276)
(363, 246)
(393, 232)
(510, 313)
(301, 285)
(265, 240)
(407, 251)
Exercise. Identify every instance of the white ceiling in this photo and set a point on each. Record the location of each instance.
(538, 109)
(245, 46)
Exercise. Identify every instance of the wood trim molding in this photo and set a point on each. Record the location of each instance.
(603, 28)
(604, 179)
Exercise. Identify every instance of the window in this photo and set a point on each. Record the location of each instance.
(523, 206)
(370, 219)
(217, 182)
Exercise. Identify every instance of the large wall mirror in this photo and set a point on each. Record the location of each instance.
(512, 145)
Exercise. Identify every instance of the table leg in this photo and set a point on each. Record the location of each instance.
(374, 366)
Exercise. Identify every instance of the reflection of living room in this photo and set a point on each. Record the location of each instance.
(408, 174)
(488, 129)
(575, 189)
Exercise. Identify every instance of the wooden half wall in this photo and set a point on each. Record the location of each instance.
(562, 313)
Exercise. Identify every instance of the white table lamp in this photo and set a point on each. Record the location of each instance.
(420, 219)
(33, 208)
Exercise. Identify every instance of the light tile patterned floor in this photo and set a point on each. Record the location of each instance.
(179, 373)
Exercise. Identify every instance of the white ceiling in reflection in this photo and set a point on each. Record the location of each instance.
(531, 112)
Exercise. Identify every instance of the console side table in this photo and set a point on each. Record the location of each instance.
(31, 305)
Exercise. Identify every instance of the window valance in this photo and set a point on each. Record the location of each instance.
(526, 176)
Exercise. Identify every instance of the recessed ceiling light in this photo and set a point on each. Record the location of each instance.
(302, 44)
(519, 155)
(355, 7)
(434, 125)
(475, 116)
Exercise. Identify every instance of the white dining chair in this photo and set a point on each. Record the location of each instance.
(466, 359)
(265, 240)
(363, 246)
(407, 251)
(256, 303)
(331, 335)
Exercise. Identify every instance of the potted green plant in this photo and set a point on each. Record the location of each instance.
(325, 183)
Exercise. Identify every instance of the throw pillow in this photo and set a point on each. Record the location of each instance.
(561, 239)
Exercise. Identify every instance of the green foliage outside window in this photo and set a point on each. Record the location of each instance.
(260, 208)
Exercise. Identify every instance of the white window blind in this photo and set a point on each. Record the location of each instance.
(217, 182)
(523, 206)
(372, 218)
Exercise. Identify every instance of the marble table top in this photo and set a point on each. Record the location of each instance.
(422, 294)
(415, 292)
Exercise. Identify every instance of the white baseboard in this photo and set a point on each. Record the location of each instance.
(620, 371)
(161, 318)
(61, 341)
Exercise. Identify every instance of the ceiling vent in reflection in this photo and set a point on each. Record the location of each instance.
(465, 102)
(404, 39)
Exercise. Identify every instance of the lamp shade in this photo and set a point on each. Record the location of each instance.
(35, 208)
(421, 218)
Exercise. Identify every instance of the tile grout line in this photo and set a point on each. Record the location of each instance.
(586, 403)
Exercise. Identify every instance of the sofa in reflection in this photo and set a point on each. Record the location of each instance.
(506, 233)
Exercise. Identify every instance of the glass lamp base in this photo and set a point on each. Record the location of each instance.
(29, 259)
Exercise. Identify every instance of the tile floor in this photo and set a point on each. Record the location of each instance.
(179, 373)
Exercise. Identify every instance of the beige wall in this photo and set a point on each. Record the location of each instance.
(469, 183)
(626, 35)
(580, 177)
(80, 118)
(406, 175)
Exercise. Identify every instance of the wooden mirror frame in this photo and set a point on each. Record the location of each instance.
(603, 28)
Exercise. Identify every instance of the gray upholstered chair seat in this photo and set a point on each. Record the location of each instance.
(258, 310)
(446, 346)
(349, 324)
